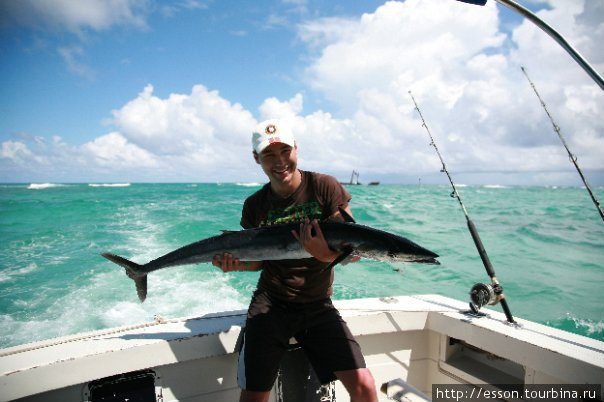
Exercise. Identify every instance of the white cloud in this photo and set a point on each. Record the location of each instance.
(75, 16)
(274, 108)
(396, 46)
(113, 150)
(70, 55)
(463, 71)
(169, 10)
(274, 20)
(16, 151)
(297, 6)
(184, 124)
(479, 106)
(184, 137)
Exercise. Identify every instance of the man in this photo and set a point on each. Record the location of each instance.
(293, 296)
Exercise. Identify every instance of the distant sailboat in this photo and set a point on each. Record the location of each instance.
(354, 179)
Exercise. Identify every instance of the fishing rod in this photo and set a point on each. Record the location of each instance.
(555, 35)
(480, 294)
(571, 156)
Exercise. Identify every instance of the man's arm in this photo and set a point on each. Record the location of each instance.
(315, 244)
(227, 263)
(338, 216)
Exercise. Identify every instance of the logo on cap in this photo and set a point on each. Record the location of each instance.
(271, 129)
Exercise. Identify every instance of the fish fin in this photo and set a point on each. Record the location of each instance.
(346, 216)
(133, 270)
(347, 251)
(141, 287)
(347, 260)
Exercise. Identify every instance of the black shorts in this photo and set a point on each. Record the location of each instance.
(317, 327)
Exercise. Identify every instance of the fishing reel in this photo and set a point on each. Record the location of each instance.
(483, 294)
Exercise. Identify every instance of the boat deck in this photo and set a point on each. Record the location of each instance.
(423, 339)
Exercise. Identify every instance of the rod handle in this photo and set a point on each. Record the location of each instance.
(506, 310)
(483, 253)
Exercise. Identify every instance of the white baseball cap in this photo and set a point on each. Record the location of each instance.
(272, 131)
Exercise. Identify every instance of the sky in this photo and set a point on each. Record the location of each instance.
(169, 91)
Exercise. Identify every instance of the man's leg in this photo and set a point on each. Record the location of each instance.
(334, 353)
(359, 383)
(265, 340)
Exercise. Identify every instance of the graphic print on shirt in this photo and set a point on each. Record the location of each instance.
(293, 213)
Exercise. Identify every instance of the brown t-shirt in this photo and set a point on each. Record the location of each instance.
(318, 196)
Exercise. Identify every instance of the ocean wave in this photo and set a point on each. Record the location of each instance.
(249, 184)
(8, 275)
(583, 326)
(108, 184)
(590, 326)
(26, 270)
(42, 186)
(91, 307)
(494, 186)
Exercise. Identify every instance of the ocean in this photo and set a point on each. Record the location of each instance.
(546, 245)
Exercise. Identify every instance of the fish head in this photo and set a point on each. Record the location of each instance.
(375, 244)
(400, 249)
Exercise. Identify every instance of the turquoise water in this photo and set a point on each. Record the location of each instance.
(546, 245)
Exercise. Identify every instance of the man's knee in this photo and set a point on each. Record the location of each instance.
(366, 386)
(359, 384)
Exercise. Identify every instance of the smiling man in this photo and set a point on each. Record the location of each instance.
(293, 297)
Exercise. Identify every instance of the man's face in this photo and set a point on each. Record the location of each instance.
(279, 162)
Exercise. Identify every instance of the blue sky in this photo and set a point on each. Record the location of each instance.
(142, 90)
(246, 50)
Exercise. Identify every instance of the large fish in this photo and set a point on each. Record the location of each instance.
(277, 243)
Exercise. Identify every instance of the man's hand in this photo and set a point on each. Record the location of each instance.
(337, 216)
(228, 263)
(312, 239)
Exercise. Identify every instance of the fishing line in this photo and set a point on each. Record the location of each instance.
(571, 156)
(480, 294)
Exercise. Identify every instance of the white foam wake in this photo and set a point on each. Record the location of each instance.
(42, 186)
(108, 184)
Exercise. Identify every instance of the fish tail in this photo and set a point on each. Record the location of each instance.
(133, 270)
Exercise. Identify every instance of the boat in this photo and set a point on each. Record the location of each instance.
(417, 347)
(354, 179)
